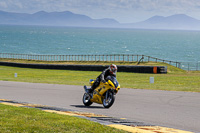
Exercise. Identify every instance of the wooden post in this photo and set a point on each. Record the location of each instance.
(106, 57)
(128, 57)
(132, 58)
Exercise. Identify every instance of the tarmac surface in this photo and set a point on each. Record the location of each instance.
(179, 110)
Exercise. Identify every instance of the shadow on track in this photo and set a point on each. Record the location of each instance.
(90, 107)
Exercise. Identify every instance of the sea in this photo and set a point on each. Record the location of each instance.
(174, 45)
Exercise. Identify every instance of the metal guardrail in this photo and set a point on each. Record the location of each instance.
(112, 57)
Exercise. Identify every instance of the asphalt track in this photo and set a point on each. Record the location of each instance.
(179, 110)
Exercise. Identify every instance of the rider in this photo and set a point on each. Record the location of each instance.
(111, 70)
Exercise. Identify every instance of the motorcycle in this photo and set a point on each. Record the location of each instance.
(103, 94)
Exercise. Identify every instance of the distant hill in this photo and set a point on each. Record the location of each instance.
(67, 18)
(178, 21)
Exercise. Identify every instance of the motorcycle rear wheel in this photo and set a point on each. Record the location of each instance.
(107, 103)
(86, 99)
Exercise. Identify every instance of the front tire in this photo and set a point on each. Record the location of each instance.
(86, 99)
(107, 103)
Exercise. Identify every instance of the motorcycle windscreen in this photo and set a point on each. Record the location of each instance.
(114, 80)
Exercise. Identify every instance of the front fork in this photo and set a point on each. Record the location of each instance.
(108, 93)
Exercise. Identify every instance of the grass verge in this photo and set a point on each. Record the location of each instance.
(18, 119)
(175, 80)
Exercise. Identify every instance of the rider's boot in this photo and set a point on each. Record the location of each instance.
(91, 90)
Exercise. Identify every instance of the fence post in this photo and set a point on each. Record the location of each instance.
(132, 58)
(128, 57)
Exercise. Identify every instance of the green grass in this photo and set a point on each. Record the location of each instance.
(175, 80)
(26, 120)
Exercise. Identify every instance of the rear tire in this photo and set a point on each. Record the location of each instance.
(107, 103)
(86, 99)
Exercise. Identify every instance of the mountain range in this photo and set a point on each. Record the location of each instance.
(67, 18)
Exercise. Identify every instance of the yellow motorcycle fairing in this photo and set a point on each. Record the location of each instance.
(98, 94)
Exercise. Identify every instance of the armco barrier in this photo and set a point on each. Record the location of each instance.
(135, 69)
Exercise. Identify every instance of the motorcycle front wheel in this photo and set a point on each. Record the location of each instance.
(108, 102)
(86, 99)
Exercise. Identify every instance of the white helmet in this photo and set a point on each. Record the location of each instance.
(113, 69)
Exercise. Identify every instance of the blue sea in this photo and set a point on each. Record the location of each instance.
(182, 46)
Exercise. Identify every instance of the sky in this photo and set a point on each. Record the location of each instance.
(124, 11)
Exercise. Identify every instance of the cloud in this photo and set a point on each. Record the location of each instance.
(3, 4)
